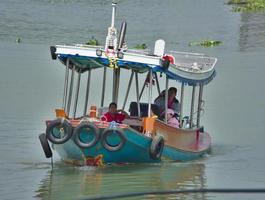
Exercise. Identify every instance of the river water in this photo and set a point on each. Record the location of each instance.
(31, 88)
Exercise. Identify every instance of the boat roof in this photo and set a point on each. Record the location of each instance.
(189, 68)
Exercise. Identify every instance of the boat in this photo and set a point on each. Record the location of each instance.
(85, 139)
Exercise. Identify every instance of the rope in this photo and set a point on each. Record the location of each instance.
(188, 191)
(52, 163)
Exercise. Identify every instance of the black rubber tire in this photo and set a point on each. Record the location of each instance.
(67, 127)
(53, 54)
(78, 130)
(157, 146)
(105, 143)
(45, 145)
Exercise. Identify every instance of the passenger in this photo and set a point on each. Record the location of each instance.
(114, 115)
(172, 103)
(171, 118)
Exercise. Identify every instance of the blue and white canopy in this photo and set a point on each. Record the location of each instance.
(188, 68)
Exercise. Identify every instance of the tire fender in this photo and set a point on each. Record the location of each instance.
(78, 131)
(105, 143)
(157, 146)
(45, 145)
(63, 125)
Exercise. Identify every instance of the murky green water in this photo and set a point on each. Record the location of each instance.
(31, 87)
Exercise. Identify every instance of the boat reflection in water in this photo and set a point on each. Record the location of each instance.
(68, 182)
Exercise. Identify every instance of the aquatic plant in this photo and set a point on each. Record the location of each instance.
(18, 40)
(141, 46)
(247, 5)
(238, 2)
(93, 41)
(206, 43)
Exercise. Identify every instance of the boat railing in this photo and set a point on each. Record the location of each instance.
(133, 122)
(139, 51)
(133, 51)
(193, 61)
(88, 46)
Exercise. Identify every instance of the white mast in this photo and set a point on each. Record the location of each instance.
(111, 39)
(113, 14)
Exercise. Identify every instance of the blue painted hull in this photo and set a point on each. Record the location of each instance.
(136, 149)
(183, 144)
(181, 155)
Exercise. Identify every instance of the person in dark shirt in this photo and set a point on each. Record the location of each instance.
(173, 103)
(114, 115)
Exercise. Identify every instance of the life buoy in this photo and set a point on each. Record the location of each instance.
(106, 144)
(45, 145)
(88, 128)
(64, 131)
(157, 146)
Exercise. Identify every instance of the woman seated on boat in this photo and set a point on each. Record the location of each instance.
(114, 115)
(172, 118)
(172, 103)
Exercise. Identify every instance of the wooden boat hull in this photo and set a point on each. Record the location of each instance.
(182, 145)
(181, 155)
(136, 149)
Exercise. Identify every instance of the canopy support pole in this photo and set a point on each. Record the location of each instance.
(71, 90)
(199, 105)
(103, 86)
(157, 84)
(66, 84)
(77, 92)
(137, 94)
(113, 85)
(181, 105)
(117, 84)
(116, 80)
(166, 99)
(87, 91)
(142, 90)
(150, 92)
(192, 106)
(128, 90)
(145, 81)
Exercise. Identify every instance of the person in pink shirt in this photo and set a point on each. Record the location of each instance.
(171, 119)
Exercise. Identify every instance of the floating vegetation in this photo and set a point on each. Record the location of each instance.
(18, 40)
(59, 1)
(141, 46)
(206, 43)
(247, 5)
(93, 41)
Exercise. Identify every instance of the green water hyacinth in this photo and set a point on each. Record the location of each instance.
(141, 46)
(206, 43)
(93, 41)
(18, 40)
(247, 5)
